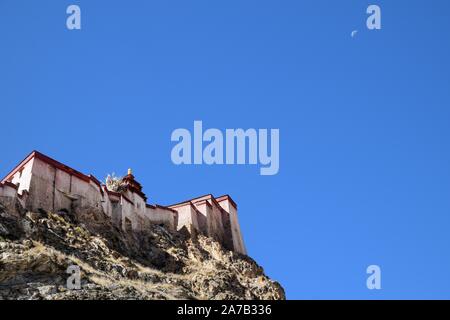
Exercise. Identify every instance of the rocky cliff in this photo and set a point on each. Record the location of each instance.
(36, 250)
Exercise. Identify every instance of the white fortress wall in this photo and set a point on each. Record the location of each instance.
(62, 190)
(22, 178)
(107, 204)
(116, 213)
(204, 209)
(187, 216)
(128, 216)
(228, 205)
(215, 221)
(7, 191)
(138, 202)
(161, 215)
(88, 193)
(63, 186)
(8, 195)
(112, 207)
(40, 182)
(140, 205)
(214, 226)
(41, 192)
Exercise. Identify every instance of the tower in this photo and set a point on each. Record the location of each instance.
(132, 185)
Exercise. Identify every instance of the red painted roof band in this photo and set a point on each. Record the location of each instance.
(89, 178)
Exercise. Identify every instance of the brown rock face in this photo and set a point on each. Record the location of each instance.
(37, 248)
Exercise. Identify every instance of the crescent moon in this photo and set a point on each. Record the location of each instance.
(354, 32)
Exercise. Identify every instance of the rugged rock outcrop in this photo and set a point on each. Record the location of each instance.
(36, 250)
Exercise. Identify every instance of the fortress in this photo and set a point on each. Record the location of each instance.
(42, 183)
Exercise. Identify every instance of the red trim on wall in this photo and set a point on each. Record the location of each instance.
(195, 209)
(19, 166)
(128, 200)
(201, 202)
(182, 204)
(165, 208)
(205, 197)
(56, 164)
(10, 184)
(190, 200)
(112, 193)
(157, 206)
(98, 183)
(227, 197)
(88, 178)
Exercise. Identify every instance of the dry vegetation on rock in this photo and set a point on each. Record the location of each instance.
(37, 248)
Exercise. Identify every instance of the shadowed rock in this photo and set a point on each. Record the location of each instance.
(37, 248)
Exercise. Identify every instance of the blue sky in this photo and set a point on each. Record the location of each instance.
(364, 122)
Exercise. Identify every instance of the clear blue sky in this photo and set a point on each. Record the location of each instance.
(364, 122)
